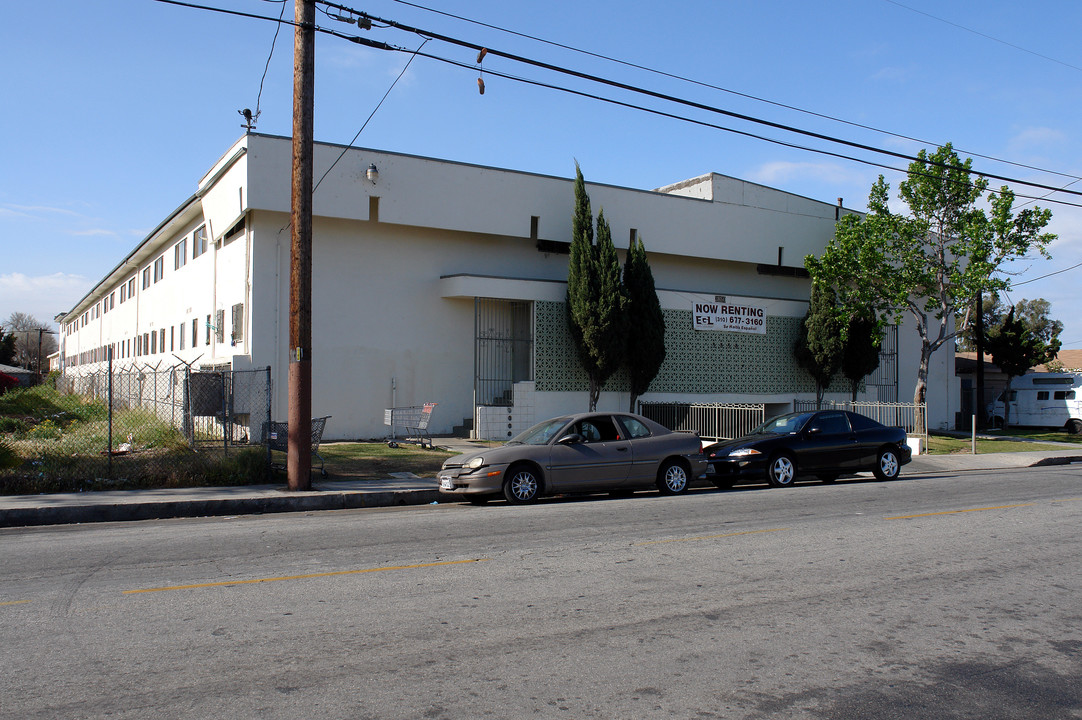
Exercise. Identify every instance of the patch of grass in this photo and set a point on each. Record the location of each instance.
(376, 461)
(1059, 435)
(950, 445)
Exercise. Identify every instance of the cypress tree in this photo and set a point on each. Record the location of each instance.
(595, 297)
(645, 348)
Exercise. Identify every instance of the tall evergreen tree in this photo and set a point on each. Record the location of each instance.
(7, 348)
(820, 345)
(645, 336)
(595, 297)
(860, 356)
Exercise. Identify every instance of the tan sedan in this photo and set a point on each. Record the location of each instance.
(587, 452)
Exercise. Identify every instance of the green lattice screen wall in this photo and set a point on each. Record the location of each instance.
(696, 361)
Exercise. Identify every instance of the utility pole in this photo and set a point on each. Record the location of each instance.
(978, 340)
(299, 448)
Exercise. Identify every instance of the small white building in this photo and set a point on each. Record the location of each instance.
(445, 282)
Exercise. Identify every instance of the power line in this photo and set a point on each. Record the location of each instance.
(365, 18)
(1042, 277)
(724, 90)
(983, 35)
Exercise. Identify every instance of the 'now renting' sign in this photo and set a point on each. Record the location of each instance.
(731, 316)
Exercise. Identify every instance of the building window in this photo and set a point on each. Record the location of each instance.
(180, 254)
(172, 338)
(208, 331)
(199, 241)
(131, 287)
(153, 343)
(182, 326)
(219, 326)
(195, 332)
(146, 278)
(237, 335)
(146, 343)
(159, 268)
(1042, 394)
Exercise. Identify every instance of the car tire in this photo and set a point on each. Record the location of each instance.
(521, 485)
(1074, 426)
(887, 465)
(672, 478)
(781, 471)
(997, 423)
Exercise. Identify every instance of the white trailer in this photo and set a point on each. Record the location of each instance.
(1041, 400)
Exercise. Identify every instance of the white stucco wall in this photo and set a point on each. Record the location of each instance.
(393, 299)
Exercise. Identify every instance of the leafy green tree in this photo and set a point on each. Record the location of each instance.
(645, 351)
(821, 344)
(860, 357)
(934, 260)
(1036, 314)
(595, 297)
(1015, 349)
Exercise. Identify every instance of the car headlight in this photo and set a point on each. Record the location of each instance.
(744, 452)
(475, 463)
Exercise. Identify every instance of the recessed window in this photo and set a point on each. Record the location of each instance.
(159, 268)
(146, 277)
(131, 286)
(195, 332)
(208, 331)
(1042, 394)
(182, 326)
(180, 254)
(199, 241)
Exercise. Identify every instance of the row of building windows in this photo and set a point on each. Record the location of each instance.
(171, 339)
(151, 274)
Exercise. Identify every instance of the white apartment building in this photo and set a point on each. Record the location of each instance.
(436, 281)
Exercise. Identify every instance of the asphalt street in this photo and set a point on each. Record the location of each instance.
(935, 596)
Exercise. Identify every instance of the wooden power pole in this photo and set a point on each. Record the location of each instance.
(299, 455)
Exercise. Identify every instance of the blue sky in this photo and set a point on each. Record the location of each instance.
(112, 111)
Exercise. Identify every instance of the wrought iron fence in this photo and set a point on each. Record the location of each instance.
(105, 429)
(910, 417)
(714, 421)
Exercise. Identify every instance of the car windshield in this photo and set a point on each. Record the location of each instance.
(783, 424)
(539, 434)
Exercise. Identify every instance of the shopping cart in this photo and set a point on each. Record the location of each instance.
(276, 436)
(412, 421)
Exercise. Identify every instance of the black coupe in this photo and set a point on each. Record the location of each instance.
(826, 444)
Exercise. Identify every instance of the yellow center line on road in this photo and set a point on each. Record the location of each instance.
(955, 512)
(709, 537)
(302, 577)
(13, 602)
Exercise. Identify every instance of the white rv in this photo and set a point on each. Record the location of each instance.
(1041, 400)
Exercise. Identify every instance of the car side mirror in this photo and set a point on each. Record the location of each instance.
(814, 430)
(572, 439)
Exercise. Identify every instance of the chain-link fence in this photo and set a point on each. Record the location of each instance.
(138, 426)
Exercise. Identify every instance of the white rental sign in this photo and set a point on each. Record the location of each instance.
(733, 316)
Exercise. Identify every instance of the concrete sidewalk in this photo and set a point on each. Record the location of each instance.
(122, 505)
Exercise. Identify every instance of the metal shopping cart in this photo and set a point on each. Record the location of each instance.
(276, 435)
(412, 421)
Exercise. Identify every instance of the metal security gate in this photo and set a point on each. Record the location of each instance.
(885, 377)
(503, 349)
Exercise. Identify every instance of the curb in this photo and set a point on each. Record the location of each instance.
(120, 512)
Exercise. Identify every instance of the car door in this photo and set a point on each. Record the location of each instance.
(598, 457)
(830, 443)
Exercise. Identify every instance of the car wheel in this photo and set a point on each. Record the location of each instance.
(997, 423)
(522, 485)
(672, 478)
(827, 477)
(782, 471)
(887, 466)
(1074, 427)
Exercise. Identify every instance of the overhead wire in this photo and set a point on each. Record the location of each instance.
(730, 91)
(631, 88)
